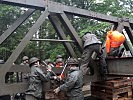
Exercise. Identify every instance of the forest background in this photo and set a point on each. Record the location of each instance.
(45, 50)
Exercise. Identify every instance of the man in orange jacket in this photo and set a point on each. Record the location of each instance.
(114, 39)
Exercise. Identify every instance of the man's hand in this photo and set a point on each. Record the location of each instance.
(60, 78)
(57, 90)
(55, 77)
(49, 70)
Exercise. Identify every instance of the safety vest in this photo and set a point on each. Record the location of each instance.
(113, 40)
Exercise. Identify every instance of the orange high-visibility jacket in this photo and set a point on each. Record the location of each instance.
(113, 40)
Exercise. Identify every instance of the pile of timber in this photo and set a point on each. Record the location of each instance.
(116, 89)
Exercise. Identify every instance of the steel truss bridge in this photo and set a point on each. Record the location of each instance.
(57, 14)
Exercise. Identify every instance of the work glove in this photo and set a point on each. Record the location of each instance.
(55, 77)
(49, 70)
(57, 90)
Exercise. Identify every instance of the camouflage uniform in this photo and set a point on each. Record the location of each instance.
(36, 78)
(25, 61)
(21, 75)
(74, 82)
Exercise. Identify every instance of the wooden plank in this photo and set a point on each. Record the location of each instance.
(118, 89)
(115, 83)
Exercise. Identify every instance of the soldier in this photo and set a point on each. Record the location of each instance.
(74, 81)
(25, 61)
(20, 75)
(60, 59)
(92, 44)
(49, 63)
(59, 62)
(37, 78)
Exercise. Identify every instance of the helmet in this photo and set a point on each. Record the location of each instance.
(79, 59)
(72, 61)
(59, 60)
(33, 59)
(58, 56)
(2, 61)
(25, 58)
(48, 61)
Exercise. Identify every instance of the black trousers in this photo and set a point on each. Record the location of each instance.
(86, 57)
(116, 52)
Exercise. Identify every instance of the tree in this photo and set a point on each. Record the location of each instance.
(8, 14)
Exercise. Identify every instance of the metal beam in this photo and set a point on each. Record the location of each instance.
(21, 46)
(120, 27)
(84, 13)
(15, 25)
(50, 5)
(72, 32)
(80, 12)
(130, 35)
(35, 4)
(121, 66)
(55, 22)
(125, 25)
(131, 22)
(129, 32)
(14, 88)
(52, 40)
(126, 44)
(6, 89)
(117, 67)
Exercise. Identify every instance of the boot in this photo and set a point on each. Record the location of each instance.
(104, 72)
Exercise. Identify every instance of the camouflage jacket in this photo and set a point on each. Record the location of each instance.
(35, 81)
(74, 83)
